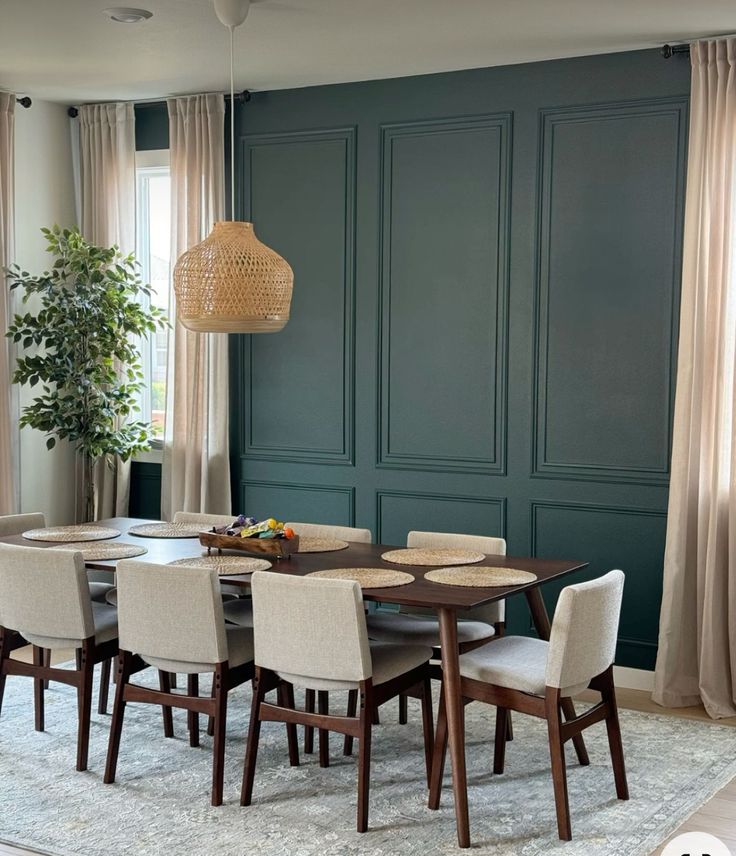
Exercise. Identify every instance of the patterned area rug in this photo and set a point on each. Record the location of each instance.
(160, 803)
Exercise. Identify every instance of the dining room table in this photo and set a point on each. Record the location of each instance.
(448, 601)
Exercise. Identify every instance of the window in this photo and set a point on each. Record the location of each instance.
(153, 251)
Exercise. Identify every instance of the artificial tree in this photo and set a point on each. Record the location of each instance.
(85, 340)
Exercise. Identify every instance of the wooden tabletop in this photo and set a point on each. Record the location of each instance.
(420, 593)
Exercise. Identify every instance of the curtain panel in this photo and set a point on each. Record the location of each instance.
(8, 444)
(107, 177)
(697, 642)
(196, 465)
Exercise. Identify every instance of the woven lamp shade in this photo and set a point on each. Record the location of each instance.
(232, 283)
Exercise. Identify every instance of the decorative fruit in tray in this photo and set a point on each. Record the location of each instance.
(249, 527)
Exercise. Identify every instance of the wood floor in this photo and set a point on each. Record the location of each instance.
(717, 816)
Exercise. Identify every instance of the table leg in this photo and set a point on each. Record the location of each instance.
(455, 720)
(542, 626)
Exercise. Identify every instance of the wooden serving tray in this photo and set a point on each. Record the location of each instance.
(274, 547)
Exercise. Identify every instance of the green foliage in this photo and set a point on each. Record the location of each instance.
(85, 355)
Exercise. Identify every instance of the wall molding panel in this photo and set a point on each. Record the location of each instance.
(343, 505)
(438, 147)
(255, 443)
(579, 294)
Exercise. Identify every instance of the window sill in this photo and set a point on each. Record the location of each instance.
(155, 455)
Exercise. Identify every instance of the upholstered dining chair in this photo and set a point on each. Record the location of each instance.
(241, 612)
(532, 676)
(171, 618)
(44, 596)
(330, 654)
(422, 628)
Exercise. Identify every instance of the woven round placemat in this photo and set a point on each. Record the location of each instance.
(104, 550)
(62, 534)
(320, 545)
(167, 530)
(367, 577)
(480, 577)
(225, 565)
(422, 556)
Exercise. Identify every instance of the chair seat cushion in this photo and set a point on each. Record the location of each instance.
(239, 612)
(516, 662)
(399, 628)
(239, 646)
(98, 591)
(106, 628)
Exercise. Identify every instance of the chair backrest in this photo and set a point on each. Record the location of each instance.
(325, 530)
(310, 627)
(582, 643)
(17, 524)
(45, 593)
(171, 612)
(204, 519)
(490, 612)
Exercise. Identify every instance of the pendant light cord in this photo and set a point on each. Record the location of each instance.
(232, 127)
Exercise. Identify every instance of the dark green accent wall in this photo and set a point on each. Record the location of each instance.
(145, 490)
(483, 330)
(151, 127)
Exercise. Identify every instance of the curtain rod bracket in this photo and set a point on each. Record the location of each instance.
(25, 101)
(668, 51)
(72, 112)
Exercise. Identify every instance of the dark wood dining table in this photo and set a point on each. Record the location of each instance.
(448, 602)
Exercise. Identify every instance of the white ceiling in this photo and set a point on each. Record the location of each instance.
(67, 50)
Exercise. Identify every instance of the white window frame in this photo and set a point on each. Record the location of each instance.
(147, 164)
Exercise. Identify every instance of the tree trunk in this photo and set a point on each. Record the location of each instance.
(89, 489)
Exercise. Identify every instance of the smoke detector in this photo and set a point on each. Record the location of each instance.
(126, 15)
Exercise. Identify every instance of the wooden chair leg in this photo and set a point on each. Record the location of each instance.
(84, 703)
(219, 682)
(428, 727)
(172, 678)
(193, 716)
(38, 683)
(499, 743)
(286, 699)
(403, 708)
(309, 699)
(568, 708)
(438, 756)
(47, 664)
(557, 756)
(4, 654)
(211, 719)
(614, 738)
(347, 747)
(104, 687)
(254, 732)
(122, 674)
(323, 706)
(164, 683)
(364, 755)
(509, 727)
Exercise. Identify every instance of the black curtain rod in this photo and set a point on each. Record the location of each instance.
(240, 97)
(25, 101)
(670, 50)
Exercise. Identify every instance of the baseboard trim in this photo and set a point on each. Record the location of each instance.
(633, 679)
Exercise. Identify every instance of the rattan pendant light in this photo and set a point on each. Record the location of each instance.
(231, 282)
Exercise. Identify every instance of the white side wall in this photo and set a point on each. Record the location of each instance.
(44, 195)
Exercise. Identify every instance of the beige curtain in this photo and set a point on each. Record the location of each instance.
(107, 174)
(697, 641)
(196, 468)
(8, 487)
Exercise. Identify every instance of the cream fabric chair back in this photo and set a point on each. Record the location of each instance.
(582, 643)
(491, 613)
(44, 595)
(324, 530)
(17, 524)
(204, 519)
(171, 613)
(310, 631)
